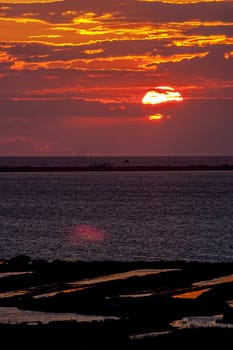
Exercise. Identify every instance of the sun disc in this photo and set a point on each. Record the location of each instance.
(161, 94)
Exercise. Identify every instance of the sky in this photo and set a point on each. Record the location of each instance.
(73, 75)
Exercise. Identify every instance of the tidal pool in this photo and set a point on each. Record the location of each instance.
(13, 315)
(201, 321)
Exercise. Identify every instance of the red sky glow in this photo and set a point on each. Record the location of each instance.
(88, 77)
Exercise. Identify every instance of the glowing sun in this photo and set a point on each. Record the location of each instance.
(156, 116)
(161, 94)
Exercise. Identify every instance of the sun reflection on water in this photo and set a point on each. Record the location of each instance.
(86, 234)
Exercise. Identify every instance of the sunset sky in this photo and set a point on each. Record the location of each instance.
(73, 74)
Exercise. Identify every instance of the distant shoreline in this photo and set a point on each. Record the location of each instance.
(107, 167)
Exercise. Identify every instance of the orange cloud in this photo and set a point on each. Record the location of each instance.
(228, 55)
(28, 1)
(94, 51)
(5, 57)
(130, 63)
(182, 1)
(203, 40)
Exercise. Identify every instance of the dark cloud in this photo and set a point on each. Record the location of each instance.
(130, 10)
(217, 29)
(195, 127)
(32, 110)
(213, 66)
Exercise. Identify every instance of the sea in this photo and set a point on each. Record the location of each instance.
(122, 216)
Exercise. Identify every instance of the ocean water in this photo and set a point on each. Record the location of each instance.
(176, 215)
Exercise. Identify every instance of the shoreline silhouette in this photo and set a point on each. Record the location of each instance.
(153, 304)
(108, 167)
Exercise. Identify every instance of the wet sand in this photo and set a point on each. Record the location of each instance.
(110, 304)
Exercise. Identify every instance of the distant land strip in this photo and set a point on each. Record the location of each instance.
(107, 167)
